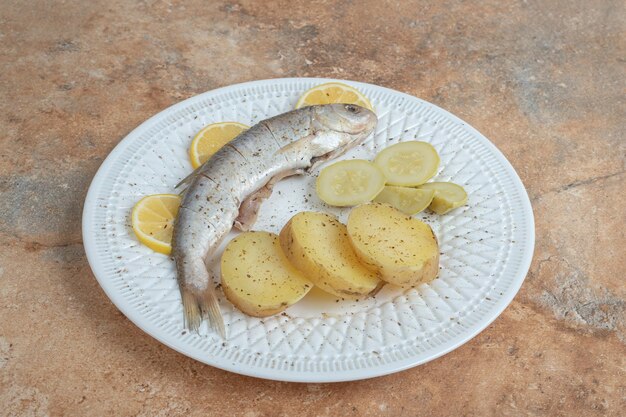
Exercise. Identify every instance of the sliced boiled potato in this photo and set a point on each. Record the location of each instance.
(402, 249)
(318, 245)
(348, 183)
(257, 277)
(448, 196)
(408, 163)
(407, 200)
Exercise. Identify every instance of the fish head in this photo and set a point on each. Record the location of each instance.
(339, 127)
(346, 118)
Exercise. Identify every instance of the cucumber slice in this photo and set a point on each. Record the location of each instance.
(448, 196)
(408, 163)
(408, 200)
(349, 183)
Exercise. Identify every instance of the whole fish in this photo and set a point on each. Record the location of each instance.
(228, 189)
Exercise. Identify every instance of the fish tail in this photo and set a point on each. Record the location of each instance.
(202, 304)
(191, 310)
(211, 310)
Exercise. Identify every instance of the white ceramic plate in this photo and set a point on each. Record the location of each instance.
(486, 246)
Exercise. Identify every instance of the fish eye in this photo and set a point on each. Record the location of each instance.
(351, 108)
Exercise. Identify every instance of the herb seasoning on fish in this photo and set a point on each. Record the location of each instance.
(229, 188)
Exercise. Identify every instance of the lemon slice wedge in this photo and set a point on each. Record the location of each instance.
(408, 200)
(211, 138)
(408, 163)
(153, 218)
(348, 183)
(448, 196)
(333, 93)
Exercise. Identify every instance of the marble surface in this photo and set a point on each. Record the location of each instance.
(544, 80)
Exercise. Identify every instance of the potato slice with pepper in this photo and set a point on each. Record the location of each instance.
(318, 245)
(402, 249)
(257, 277)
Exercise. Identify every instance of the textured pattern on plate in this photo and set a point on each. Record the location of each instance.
(486, 246)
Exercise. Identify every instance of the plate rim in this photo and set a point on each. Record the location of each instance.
(88, 233)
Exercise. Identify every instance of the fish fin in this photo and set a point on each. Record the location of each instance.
(318, 160)
(295, 146)
(189, 177)
(191, 310)
(211, 310)
(198, 305)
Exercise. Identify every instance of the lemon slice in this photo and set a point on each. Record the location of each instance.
(153, 221)
(448, 196)
(211, 138)
(348, 183)
(408, 163)
(408, 200)
(333, 93)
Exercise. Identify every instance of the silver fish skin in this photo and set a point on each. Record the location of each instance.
(229, 187)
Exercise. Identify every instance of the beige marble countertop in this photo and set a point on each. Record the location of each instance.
(544, 80)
